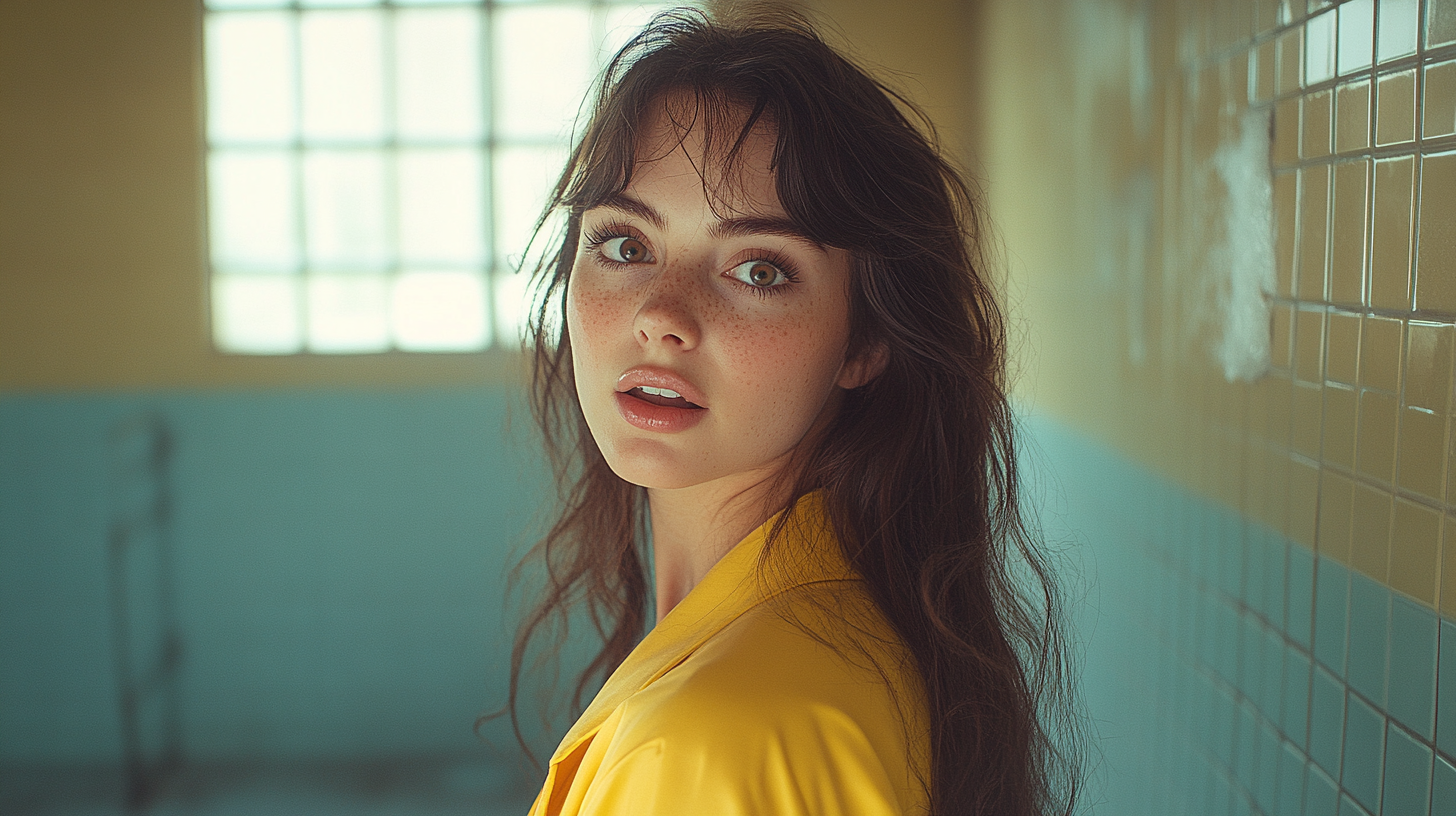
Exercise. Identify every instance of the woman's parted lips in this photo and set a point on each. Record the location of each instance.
(660, 378)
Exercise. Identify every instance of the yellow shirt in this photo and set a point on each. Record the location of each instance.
(728, 709)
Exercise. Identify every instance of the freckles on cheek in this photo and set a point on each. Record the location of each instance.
(778, 358)
(589, 310)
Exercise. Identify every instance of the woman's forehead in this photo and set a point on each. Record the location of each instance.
(734, 167)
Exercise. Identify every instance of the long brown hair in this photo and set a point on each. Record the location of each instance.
(918, 468)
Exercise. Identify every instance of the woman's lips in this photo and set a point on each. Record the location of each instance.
(653, 378)
(643, 403)
(650, 416)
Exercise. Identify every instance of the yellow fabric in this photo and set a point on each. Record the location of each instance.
(781, 691)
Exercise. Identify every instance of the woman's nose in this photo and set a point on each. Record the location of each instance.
(669, 313)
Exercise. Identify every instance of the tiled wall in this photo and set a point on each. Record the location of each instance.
(1243, 674)
(1278, 544)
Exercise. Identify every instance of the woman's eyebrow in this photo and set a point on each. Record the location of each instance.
(633, 206)
(743, 226)
(758, 225)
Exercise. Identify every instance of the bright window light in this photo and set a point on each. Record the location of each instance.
(253, 211)
(542, 79)
(342, 75)
(348, 313)
(440, 207)
(257, 313)
(523, 177)
(344, 212)
(437, 73)
(436, 311)
(375, 168)
(250, 77)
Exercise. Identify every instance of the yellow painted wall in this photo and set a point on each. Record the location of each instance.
(102, 251)
(1102, 115)
(925, 49)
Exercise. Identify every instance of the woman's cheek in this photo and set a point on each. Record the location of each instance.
(590, 311)
(781, 361)
(585, 321)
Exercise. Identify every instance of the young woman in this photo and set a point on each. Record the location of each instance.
(771, 378)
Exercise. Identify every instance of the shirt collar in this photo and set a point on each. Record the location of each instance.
(806, 552)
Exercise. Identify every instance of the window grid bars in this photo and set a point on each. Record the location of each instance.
(493, 267)
(487, 171)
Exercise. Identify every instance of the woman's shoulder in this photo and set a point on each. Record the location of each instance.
(824, 643)
(811, 682)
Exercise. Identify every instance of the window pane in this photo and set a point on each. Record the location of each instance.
(256, 314)
(354, 206)
(336, 3)
(348, 313)
(542, 58)
(344, 216)
(250, 77)
(251, 210)
(342, 75)
(440, 311)
(440, 217)
(512, 308)
(245, 4)
(437, 58)
(523, 178)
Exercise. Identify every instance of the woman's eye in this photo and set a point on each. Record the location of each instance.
(760, 274)
(625, 249)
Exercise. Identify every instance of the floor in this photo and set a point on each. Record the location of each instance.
(407, 787)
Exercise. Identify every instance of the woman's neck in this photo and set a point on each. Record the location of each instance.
(694, 527)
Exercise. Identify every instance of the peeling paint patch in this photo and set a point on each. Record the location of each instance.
(1245, 255)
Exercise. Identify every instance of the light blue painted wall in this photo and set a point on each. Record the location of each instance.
(340, 558)
(342, 555)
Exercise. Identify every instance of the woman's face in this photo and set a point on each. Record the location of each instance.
(705, 345)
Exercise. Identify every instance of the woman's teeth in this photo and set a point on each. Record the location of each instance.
(661, 396)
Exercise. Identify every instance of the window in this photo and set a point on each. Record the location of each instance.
(375, 168)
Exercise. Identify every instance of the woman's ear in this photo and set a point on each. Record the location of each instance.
(863, 367)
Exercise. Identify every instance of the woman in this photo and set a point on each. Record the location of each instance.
(767, 365)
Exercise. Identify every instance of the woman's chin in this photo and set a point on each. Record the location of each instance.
(652, 464)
